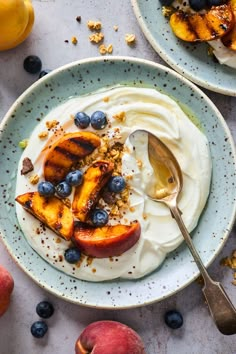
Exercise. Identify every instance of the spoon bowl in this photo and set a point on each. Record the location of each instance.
(168, 180)
(165, 186)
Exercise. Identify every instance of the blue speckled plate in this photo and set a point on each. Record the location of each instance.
(190, 60)
(178, 270)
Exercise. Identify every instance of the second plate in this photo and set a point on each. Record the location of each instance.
(190, 60)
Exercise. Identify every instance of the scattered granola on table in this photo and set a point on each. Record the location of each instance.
(130, 39)
(230, 262)
(96, 37)
(104, 50)
(74, 40)
(94, 25)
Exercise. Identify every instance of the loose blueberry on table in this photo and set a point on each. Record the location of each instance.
(116, 184)
(44, 73)
(82, 120)
(74, 178)
(173, 319)
(44, 309)
(72, 255)
(63, 189)
(32, 64)
(39, 329)
(99, 217)
(98, 120)
(46, 189)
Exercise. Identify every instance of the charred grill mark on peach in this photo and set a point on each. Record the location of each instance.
(69, 155)
(58, 225)
(28, 204)
(194, 27)
(86, 195)
(66, 152)
(55, 166)
(87, 146)
(50, 211)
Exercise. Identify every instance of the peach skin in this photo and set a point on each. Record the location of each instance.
(109, 337)
(106, 241)
(6, 288)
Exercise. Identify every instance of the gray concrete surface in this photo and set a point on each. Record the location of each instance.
(55, 23)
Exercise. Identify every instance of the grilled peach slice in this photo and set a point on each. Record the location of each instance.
(51, 211)
(87, 194)
(229, 40)
(66, 152)
(106, 241)
(193, 27)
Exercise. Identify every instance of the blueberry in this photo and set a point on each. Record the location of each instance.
(198, 5)
(63, 189)
(72, 255)
(99, 217)
(173, 319)
(74, 178)
(44, 309)
(116, 184)
(166, 2)
(98, 120)
(44, 72)
(82, 120)
(39, 329)
(215, 2)
(46, 189)
(32, 64)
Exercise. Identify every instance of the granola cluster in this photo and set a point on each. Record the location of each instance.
(94, 25)
(97, 36)
(130, 38)
(230, 262)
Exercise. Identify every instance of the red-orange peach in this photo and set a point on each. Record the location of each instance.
(106, 241)
(109, 337)
(6, 288)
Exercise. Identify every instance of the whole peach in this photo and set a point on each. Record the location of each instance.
(6, 288)
(109, 337)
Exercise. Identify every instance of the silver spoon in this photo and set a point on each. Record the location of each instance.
(165, 188)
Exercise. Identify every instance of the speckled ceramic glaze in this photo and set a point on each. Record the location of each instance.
(178, 270)
(190, 60)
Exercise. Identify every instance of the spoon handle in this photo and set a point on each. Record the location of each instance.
(221, 308)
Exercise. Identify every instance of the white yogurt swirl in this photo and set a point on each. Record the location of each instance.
(144, 109)
(224, 55)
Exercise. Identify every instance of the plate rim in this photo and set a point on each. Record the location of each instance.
(193, 78)
(154, 65)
